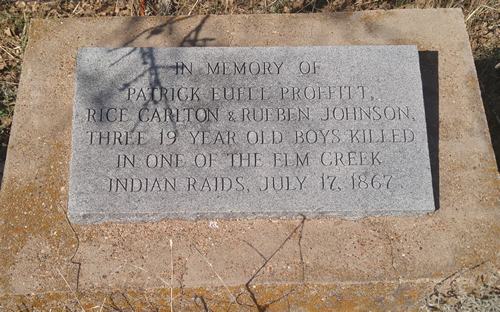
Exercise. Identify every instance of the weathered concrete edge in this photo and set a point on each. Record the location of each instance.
(284, 215)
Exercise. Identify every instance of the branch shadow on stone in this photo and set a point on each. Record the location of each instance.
(191, 39)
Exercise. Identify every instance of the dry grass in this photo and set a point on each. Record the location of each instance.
(471, 289)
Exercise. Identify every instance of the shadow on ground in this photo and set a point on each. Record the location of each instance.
(430, 85)
(489, 82)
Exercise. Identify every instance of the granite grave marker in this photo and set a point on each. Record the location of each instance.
(243, 132)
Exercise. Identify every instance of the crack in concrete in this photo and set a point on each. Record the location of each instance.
(263, 307)
(458, 273)
(254, 249)
(204, 304)
(388, 237)
(72, 259)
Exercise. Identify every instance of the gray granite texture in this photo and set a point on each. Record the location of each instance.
(248, 132)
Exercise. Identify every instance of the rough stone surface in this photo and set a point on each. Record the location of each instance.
(376, 263)
(236, 132)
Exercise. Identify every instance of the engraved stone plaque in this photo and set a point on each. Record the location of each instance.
(248, 132)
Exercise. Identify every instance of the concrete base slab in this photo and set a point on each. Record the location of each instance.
(361, 262)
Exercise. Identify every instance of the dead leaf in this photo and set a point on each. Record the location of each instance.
(8, 32)
(20, 4)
